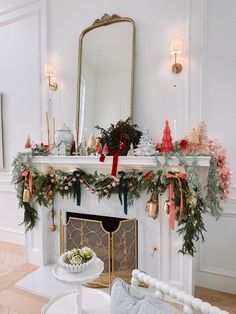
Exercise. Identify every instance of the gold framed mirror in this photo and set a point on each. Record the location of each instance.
(105, 84)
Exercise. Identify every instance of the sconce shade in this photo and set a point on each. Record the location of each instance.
(176, 47)
(48, 69)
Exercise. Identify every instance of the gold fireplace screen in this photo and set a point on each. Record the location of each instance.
(117, 249)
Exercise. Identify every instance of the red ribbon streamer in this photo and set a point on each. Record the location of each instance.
(177, 176)
(115, 159)
(28, 179)
(102, 158)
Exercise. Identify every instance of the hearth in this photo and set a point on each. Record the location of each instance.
(114, 240)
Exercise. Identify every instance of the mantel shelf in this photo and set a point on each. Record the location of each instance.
(132, 162)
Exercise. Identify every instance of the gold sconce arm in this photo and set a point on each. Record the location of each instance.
(48, 71)
(52, 85)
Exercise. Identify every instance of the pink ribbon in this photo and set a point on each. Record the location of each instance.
(177, 176)
(28, 179)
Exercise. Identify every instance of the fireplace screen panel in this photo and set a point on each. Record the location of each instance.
(124, 249)
(83, 232)
(117, 249)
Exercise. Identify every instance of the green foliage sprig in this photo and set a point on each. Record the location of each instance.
(123, 131)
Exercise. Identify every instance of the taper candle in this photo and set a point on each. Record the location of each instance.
(53, 129)
(41, 135)
(48, 127)
(175, 131)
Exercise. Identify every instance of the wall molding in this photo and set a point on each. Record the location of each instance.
(203, 66)
(213, 270)
(187, 16)
(12, 230)
(216, 271)
(12, 235)
(21, 6)
(20, 13)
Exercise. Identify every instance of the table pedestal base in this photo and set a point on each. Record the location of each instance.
(93, 302)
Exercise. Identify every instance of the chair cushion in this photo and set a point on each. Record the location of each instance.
(133, 300)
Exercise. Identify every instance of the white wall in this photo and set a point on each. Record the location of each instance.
(20, 85)
(203, 89)
(216, 266)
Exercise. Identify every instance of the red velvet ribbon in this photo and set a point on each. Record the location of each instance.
(102, 158)
(115, 159)
(28, 179)
(177, 176)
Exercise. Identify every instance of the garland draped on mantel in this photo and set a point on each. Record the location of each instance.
(186, 205)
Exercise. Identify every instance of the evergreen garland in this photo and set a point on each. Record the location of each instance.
(213, 195)
(20, 164)
(133, 184)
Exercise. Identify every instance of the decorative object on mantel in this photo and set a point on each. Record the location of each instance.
(40, 150)
(118, 139)
(145, 146)
(92, 145)
(28, 143)
(167, 145)
(193, 137)
(189, 202)
(63, 135)
(203, 138)
(131, 150)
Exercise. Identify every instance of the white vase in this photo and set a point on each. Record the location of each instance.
(63, 135)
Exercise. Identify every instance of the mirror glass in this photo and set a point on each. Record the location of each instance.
(105, 75)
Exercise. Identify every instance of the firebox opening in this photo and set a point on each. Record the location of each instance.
(110, 224)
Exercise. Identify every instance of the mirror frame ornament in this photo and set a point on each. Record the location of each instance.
(105, 20)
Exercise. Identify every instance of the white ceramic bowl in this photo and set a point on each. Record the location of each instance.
(75, 268)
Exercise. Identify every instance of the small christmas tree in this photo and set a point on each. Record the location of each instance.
(28, 143)
(203, 138)
(145, 146)
(167, 145)
(193, 137)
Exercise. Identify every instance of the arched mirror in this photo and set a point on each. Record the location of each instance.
(105, 74)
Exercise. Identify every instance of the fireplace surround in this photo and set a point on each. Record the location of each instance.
(158, 246)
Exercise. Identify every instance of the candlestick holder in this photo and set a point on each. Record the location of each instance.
(176, 147)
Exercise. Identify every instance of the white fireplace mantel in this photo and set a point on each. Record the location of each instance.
(165, 263)
(131, 162)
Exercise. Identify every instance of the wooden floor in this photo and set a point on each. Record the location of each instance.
(224, 301)
(13, 267)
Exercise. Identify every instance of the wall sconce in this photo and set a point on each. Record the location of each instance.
(48, 71)
(176, 50)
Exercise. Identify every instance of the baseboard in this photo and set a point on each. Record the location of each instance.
(12, 235)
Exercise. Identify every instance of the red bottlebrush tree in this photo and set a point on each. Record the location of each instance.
(167, 145)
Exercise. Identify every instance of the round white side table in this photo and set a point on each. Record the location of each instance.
(82, 300)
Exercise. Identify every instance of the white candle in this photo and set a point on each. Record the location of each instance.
(41, 136)
(53, 130)
(75, 138)
(175, 131)
(48, 127)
